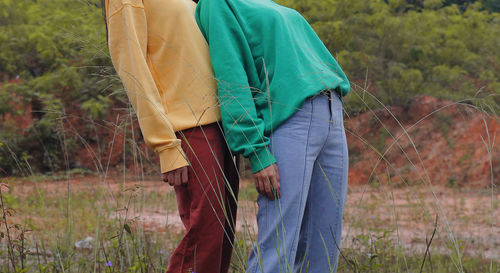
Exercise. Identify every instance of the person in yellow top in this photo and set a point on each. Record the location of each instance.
(163, 61)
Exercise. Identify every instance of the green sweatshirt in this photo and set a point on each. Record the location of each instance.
(267, 61)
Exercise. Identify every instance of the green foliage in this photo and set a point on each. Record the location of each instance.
(396, 49)
(493, 5)
(54, 64)
(55, 50)
(96, 107)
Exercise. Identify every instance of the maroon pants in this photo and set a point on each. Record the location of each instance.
(207, 204)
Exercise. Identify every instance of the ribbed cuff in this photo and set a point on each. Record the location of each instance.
(171, 159)
(261, 159)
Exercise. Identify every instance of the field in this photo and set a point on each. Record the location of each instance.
(80, 191)
(91, 223)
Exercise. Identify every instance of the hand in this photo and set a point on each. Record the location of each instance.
(176, 177)
(267, 182)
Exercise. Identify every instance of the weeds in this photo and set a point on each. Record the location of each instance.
(131, 219)
(14, 234)
(132, 224)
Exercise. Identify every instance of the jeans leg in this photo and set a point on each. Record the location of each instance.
(329, 189)
(295, 145)
(301, 258)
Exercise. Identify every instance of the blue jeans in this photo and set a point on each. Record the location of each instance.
(303, 228)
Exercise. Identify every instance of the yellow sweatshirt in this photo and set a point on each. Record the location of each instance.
(163, 61)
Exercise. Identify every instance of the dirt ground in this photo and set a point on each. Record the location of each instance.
(405, 215)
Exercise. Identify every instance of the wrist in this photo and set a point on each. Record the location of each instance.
(172, 159)
(260, 159)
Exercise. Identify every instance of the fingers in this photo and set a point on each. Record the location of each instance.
(259, 185)
(267, 182)
(277, 184)
(267, 187)
(273, 181)
(170, 178)
(274, 188)
(176, 177)
(184, 175)
(277, 173)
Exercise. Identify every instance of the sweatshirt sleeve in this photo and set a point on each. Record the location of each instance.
(127, 40)
(232, 62)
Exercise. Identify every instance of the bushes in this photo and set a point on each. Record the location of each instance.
(54, 63)
(398, 49)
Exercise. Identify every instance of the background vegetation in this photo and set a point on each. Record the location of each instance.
(54, 62)
(397, 49)
(63, 112)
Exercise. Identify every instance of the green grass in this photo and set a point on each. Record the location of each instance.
(132, 217)
(48, 217)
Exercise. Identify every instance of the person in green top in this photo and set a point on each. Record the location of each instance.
(280, 92)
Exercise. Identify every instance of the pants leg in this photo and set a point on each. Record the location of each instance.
(202, 203)
(295, 145)
(231, 206)
(323, 219)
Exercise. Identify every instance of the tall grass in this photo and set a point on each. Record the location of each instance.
(40, 226)
(131, 221)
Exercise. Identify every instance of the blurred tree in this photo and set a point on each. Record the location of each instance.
(54, 64)
(434, 47)
(56, 49)
(493, 5)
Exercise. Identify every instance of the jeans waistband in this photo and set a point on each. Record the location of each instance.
(327, 92)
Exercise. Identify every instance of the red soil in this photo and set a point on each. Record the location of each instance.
(443, 144)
